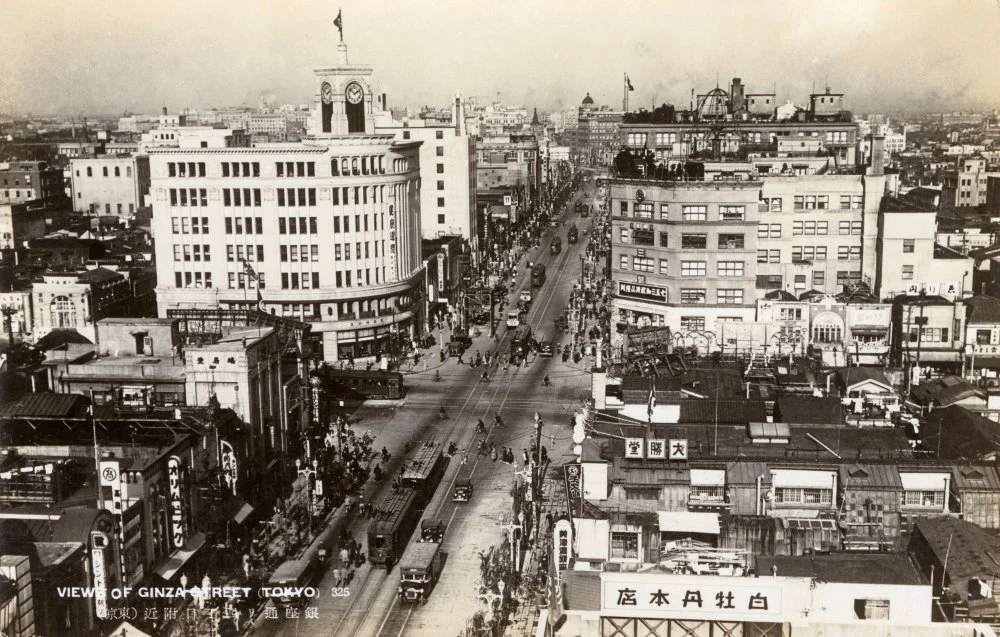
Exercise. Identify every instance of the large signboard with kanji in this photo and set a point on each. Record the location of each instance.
(700, 597)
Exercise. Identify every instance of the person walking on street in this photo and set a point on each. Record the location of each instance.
(493, 454)
(345, 557)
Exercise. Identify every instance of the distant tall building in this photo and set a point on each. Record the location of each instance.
(447, 172)
(110, 184)
(23, 181)
(326, 230)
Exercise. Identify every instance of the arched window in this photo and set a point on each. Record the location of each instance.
(63, 312)
(827, 328)
(354, 166)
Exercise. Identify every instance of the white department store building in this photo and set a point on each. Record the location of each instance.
(330, 225)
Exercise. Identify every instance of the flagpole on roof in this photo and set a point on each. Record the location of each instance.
(97, 452)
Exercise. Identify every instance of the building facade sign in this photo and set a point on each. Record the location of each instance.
(642, 292)
(573, 476)
(229, 468)
(656, 449)
(678, 449)
(978, 349)
(98, 545)
(744, 599)
(634, 448)
(564, 544)
(176, 502)
(948, 288)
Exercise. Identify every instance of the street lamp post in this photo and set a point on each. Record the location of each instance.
(510, 528)
(308, 472)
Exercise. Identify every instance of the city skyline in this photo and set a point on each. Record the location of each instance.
(887, 55)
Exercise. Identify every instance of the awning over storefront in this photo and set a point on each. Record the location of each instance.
(688, 522)
(802, 479)
(708, 477)
(923, 481)
(180, 557)
(987, 362)
(869, 331)
(934, 357)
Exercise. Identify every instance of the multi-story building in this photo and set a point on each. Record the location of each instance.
(598, 132)
(735, 124)
(683, 254)
(509, 163)
(20, 222)
(928, 331)
(447, 173)
(110, 184)
(268, 126)
(966, 185)
(817, 232)
(326, 230)
(22, 181)
(982, 335)
(77, 300)
(908, 258)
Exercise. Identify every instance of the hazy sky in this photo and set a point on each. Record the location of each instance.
(71, 56)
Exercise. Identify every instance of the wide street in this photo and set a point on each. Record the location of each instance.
(370, 605)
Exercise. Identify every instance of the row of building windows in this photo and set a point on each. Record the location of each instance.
(245, 225)
(189, 225)
(723, 296)
(244, 253)
(194, 197)
(339, 166)
(193, 279)
(196, 252)
(104, 169)
(299, 252)
(845, 278)
(184, 169)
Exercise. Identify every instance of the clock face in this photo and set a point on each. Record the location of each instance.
(639, 195)
(326, 92)
(354, 93)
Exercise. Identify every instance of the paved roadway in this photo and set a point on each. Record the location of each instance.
(372, 607)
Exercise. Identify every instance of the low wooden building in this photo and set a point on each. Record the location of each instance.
(975, 491)
(869, 503)
(748, 485)
(651, 485)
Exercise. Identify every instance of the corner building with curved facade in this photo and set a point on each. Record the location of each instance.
(330, 225)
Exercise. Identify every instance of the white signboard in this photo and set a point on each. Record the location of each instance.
(564, 544)
(633, 448)
(176, 501)
(731, 596)
(656, 449)
(228, 461)
(678, 449)
(98, 541)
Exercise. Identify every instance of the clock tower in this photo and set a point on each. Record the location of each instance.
(345, 102)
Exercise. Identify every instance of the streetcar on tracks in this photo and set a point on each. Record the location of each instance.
(391, 526)
(360, 383)
(423, 469)
(286, 585)
(556, 246)
(572, 235)
(538, 275)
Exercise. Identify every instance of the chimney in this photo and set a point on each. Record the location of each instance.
(736, 95)
(877, 167)
(774, 570)
(385, 103)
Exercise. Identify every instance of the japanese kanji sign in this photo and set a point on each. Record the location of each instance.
(731, 596)
(678, 450)
(656, 448)
(634, 448)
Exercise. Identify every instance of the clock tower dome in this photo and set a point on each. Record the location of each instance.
(344, 102)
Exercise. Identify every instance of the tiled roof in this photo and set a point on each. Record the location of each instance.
(59, 337)
(849, 376)
(967, 547)
(983, 310)
(870, 476)
(46, 405)
(734, 412)
(984, 477)
(747, 473)
(945, 390)
(809, 410)
(844, 568)
(955, 433)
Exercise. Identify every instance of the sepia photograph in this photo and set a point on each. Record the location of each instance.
(530, 318)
